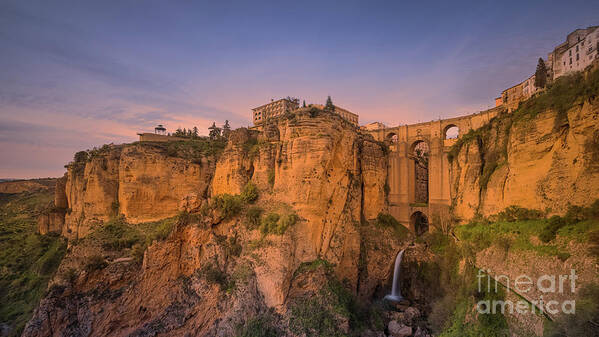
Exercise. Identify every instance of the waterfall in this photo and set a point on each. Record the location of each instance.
(395, 295)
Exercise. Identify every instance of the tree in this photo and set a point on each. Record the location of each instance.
(195, 132)
(179, 132)
(226, 129)
(541, 74)
(329, 105)
(214, 131)
(304, 104)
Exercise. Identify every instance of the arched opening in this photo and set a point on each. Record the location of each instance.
(451, 132)
(420, 154)
(419, 223)
(392, 137)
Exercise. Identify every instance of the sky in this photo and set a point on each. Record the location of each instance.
(78, 74)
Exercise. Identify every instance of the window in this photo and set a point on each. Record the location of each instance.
(570, 60)
(577, 58)
(577, 48)
(570, 52)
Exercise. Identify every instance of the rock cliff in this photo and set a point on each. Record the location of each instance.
(542, 156)
(318, 177)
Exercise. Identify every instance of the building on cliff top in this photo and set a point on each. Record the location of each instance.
(274, 108)
(159, 135)
(578, 51)
(284, 105)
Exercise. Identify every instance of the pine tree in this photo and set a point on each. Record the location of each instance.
(226, 129)
(214, 131)
(329, 105)
(541, 74)
(304, 104)
(195, 132)
(179, 132)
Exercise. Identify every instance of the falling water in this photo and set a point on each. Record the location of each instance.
(395, 291)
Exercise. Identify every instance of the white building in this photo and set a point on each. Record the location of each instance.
(579, 51)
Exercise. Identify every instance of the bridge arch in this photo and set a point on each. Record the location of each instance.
(392, 137)
(451, 131)
(419, 223)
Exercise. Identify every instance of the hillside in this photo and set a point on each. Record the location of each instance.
(28, 260)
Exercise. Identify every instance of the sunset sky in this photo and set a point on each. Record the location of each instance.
(78, 74)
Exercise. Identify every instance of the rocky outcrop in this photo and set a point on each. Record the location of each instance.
(196, 281)
(140, 181)
(545, 161)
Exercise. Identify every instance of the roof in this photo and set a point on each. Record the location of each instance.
(263, 105)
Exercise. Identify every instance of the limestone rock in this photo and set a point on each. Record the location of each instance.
(399, 330)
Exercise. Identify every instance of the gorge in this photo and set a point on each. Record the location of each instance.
(301, 228)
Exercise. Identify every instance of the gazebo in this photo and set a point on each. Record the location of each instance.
(160, 130)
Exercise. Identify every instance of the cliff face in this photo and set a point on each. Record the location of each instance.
(545, 160)
(215, 271)
(141, 182)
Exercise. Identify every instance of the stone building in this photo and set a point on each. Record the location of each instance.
(522, 91)
(373, 126)
(576, 53)
(284, 105)
(345, 114)
(273, 109)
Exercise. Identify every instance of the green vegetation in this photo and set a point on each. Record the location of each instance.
(250, 193)
(321, 314)
(253, 216)
(454, 291)
(385, 220)
(118, 235)
(260, 326)
(27, 260)
(193, 150)
(541, 74)
(515, 227)
(560, 95)
(584, 321)
(228, 205)
(273, 223)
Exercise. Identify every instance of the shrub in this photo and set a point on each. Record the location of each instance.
(213, 275)
(269, 223)
(253, 217)
(259, 326)
(286, 221)
(249, 193)
(272, 223)
(137, 252)
(163, 229)
(386, 220)
(117, 235)
(229, 205)
(517, 213)
(95, 262)
(550, 230)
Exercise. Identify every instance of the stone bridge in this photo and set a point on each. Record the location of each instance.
(419, 192)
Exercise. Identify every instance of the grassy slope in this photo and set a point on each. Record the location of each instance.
(27, 260)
